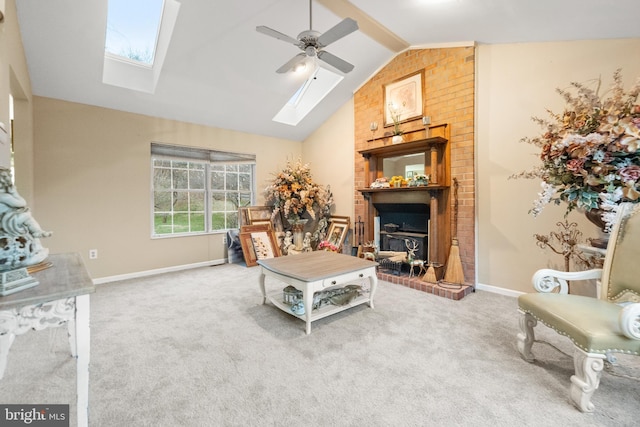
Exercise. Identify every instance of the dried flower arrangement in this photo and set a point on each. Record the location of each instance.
(590, 152)
(294, 193)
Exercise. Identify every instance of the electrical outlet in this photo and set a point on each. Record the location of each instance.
(93, 254)
(224, 240)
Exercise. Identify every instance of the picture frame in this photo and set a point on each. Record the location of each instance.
(243, 216)
(258, 242)
(251, 215)
(248, 252)
(259, 213)
(255, 228)
(338, 229)
(405, 93)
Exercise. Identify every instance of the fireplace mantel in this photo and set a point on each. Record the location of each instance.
(436, 194)
(368, 191)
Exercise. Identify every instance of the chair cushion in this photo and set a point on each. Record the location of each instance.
(592, 324)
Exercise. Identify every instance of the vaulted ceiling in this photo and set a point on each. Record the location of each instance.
(220, 72)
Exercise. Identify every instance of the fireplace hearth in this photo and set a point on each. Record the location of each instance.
(456, 292)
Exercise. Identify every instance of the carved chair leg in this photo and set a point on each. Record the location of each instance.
(586, 379)
(526, 337)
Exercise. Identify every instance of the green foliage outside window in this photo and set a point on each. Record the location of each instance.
(186, 193)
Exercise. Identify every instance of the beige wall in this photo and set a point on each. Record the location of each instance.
(329, 151)
(514, 83)
(92, 174)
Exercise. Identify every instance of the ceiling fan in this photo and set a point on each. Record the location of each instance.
(312, 43)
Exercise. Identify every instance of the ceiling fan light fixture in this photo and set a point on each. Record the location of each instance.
(306, 67)
(312, 43)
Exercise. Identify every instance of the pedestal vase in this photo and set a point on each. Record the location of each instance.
(595, 217)
(297, 228)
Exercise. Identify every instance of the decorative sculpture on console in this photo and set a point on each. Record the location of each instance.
(306, 243)
(20, 235)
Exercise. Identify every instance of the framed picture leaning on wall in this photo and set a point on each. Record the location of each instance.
(338, 230)
(251, 215)
(258, 242)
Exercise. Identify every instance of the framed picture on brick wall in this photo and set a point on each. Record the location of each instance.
(403, 97)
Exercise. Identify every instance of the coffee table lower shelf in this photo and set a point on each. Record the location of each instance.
(276, 299)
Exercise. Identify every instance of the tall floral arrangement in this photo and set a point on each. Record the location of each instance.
(293, 192)
(396, 113)
(590, 152)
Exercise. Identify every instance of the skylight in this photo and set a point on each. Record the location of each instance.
(312, 91)
(136, 42)
(132, 29)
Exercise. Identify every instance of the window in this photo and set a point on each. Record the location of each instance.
(197, 191)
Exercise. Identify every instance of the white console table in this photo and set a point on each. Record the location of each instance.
(62, 297)
(315, 271)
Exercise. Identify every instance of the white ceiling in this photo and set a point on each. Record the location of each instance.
(220, 72)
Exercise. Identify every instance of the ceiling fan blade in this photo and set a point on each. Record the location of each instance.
(344, 27)
(291, 63)
(277, 34)
(334, 61)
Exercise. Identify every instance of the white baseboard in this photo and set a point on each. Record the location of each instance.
(497, 290)
(139, 274)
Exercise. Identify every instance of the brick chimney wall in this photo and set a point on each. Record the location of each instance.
(448, 97)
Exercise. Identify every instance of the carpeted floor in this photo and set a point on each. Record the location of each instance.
(197, 348)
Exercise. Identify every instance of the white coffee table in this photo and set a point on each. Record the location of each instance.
(311, 272)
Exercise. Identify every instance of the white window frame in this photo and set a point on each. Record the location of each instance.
(206, 158)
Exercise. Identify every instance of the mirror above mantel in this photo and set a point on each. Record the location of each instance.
(406, 165)
(429, 156)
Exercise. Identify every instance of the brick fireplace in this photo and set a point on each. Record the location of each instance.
(448, 100)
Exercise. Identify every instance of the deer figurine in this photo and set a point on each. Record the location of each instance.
(412, 247)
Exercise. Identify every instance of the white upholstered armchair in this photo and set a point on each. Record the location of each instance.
(599, 326)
